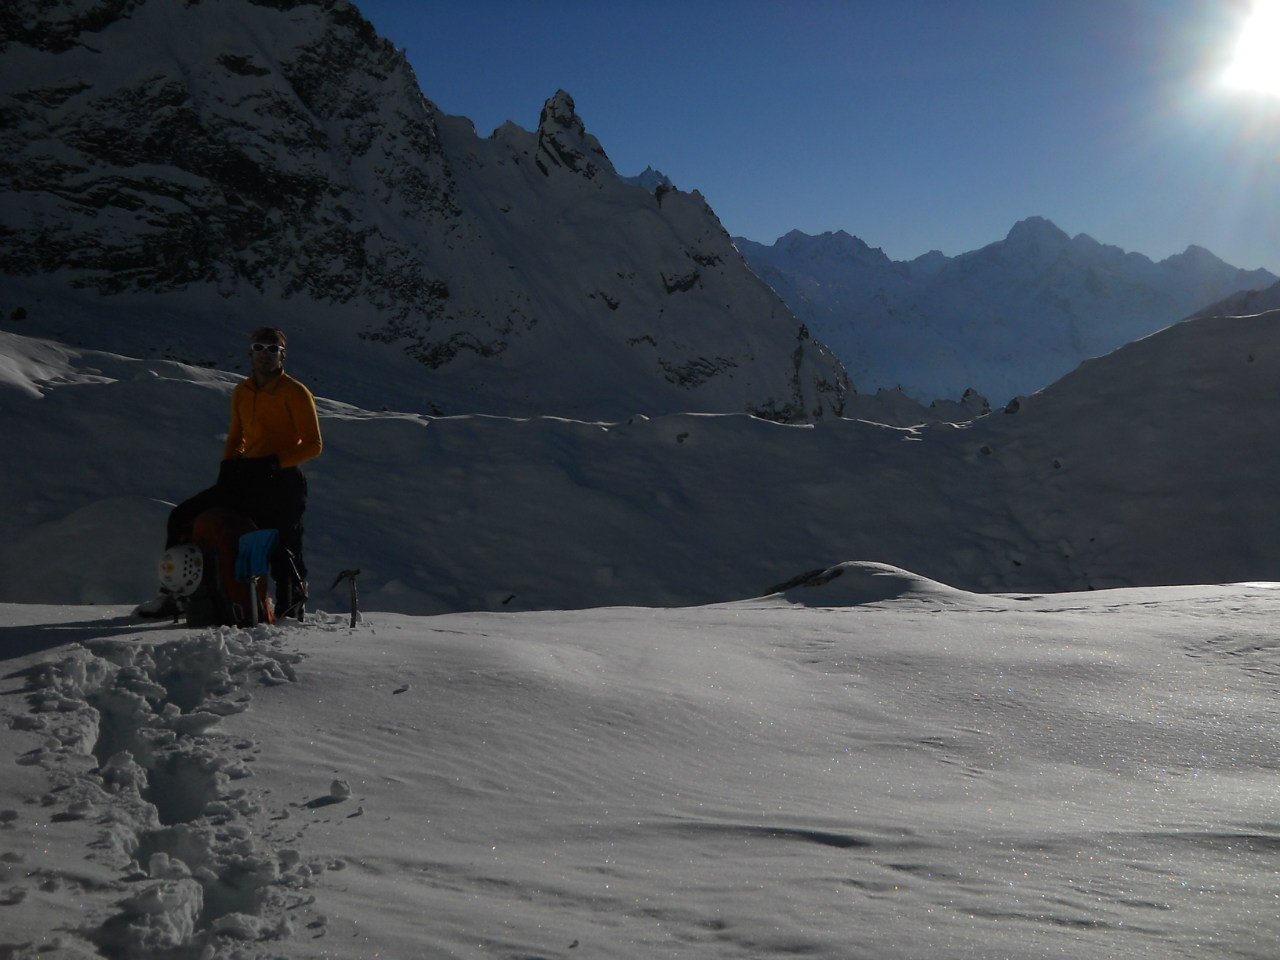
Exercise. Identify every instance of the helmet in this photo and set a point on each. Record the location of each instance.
(181, 569)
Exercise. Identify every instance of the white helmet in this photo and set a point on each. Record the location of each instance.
(181, 568)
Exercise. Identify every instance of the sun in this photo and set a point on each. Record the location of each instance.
(1256, 64)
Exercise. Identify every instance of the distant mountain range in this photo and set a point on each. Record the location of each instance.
(1005, 320)
(277, 162)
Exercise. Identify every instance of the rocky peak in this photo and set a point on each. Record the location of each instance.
(563, 140)
(800, 251)
(651, 180)
(846, 248)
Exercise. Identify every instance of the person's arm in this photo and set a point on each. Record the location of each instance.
(302, 408)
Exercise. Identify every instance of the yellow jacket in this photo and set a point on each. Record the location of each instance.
(279, 418)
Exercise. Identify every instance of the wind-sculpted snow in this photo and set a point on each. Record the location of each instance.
(131, 744)
(933, 774)
(853, 583)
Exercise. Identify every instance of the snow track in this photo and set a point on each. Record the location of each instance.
(131, 744)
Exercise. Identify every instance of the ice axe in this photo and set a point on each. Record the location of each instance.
(355, 597)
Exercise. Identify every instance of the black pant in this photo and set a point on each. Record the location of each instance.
(274, 502)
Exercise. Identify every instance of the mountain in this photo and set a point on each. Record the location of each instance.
(173, 175)
(651, 180)
(1005, 320)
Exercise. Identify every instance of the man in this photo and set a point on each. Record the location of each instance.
(274, 428)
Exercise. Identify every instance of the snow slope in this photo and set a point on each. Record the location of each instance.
(1149, 466)
(871, 766)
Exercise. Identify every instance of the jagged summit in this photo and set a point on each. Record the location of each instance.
(651, 180)
(836, 247)
(279, 160)
(563, 140)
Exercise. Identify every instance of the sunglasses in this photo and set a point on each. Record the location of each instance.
(269, 347)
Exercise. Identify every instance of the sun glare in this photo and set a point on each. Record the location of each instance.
(1256, 64)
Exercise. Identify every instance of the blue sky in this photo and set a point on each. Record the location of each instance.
(913, 124)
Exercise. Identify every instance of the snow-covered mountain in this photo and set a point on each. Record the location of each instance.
(1005, 320)
(174, 174)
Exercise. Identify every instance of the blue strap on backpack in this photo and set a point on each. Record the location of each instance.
(254, 556)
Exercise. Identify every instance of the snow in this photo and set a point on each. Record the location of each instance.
(685, 685)
(1127, 473)
(910, 771)
(874, 760)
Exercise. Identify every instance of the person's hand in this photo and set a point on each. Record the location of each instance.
(261, 468)
(238, 471)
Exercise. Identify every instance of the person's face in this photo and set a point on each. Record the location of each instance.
(267, 358)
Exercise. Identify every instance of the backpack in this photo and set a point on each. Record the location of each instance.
(223, 598)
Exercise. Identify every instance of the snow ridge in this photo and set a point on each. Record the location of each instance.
(854, 583)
